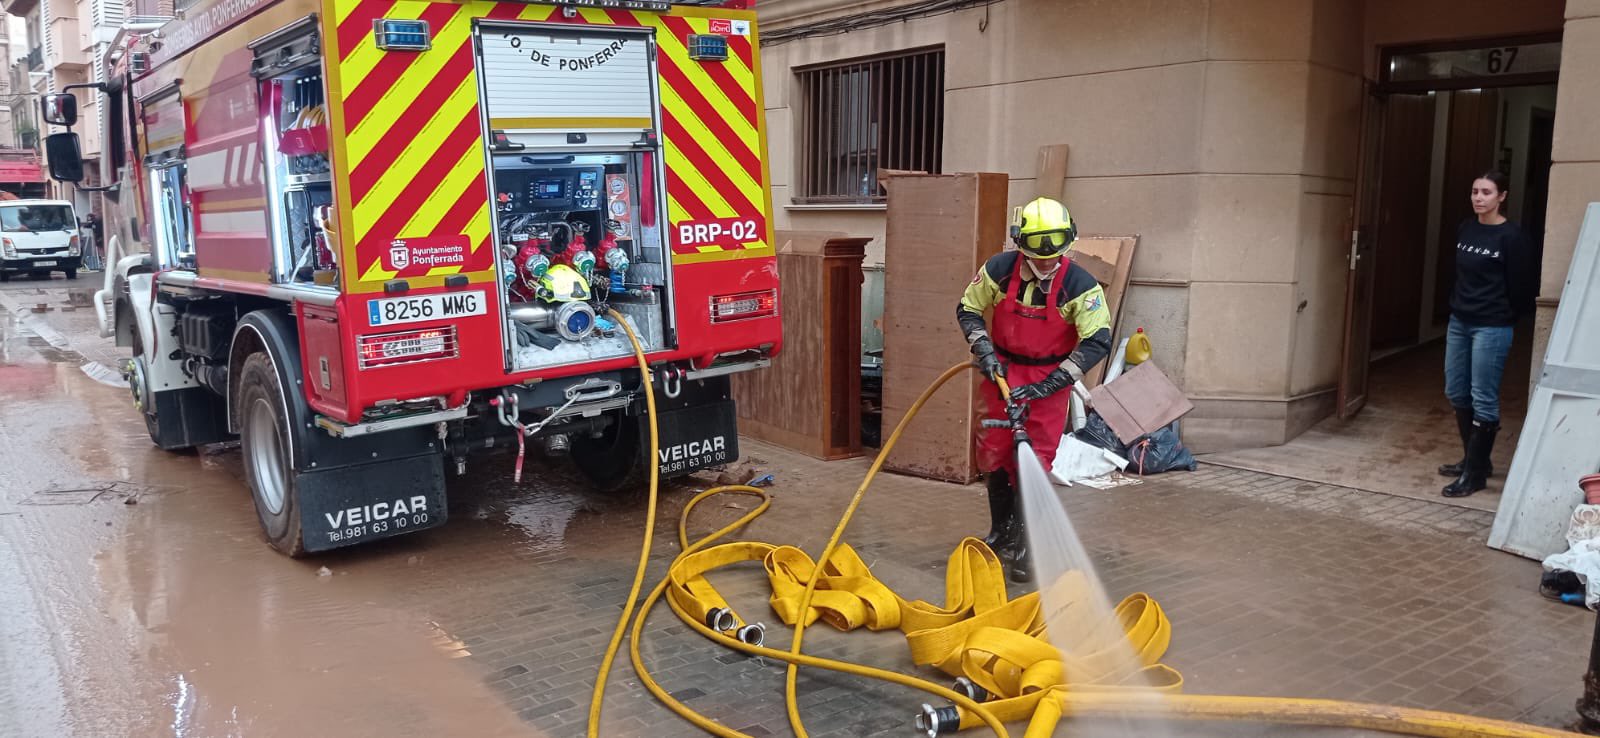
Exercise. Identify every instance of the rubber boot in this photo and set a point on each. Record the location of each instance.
(1464, 425)
(1002, 507)
(1014, 552)
(1475, 474)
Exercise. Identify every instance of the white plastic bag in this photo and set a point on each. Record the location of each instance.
(1583, 555)
(1078, 460)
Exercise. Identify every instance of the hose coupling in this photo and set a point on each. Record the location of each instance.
(970, 689)
(934, 721)
(720, 619)
(754, 634)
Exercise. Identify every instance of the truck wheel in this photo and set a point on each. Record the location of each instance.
(5, 276)
(136, 380)
(71, 273)
(264, 440)
(615, 461)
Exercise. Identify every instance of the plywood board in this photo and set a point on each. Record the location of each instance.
(1110, 260)
(1140, 401)
(1051, 173)
(940, 230)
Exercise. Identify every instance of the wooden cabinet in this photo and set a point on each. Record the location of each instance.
(809, 400)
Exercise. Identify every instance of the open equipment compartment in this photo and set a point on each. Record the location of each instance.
(575, 187)
(294, 121)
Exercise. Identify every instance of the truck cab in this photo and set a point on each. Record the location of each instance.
(38, 237)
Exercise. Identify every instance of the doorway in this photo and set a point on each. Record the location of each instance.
(1441, 114)
(1435, 144)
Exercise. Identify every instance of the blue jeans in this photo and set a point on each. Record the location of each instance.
(1474, 361)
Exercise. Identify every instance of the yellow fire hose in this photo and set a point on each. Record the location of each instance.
(997, 645)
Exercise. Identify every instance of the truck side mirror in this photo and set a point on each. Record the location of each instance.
(60, 108)
(66, 163)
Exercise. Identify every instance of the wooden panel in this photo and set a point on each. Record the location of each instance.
(1051, 172)
(1110, 260)
(1403, 220)
(940, 230)
(1139, 402)
(809, 399)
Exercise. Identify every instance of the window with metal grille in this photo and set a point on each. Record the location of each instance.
(884, 112)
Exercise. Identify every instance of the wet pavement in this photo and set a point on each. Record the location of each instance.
(1402, 434)
(142, 600)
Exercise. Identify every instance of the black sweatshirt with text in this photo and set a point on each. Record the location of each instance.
(1497, 273)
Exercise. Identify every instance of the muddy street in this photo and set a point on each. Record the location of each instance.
(142, 598)
(143, 601)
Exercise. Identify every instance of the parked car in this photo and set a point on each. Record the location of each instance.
(38, 237)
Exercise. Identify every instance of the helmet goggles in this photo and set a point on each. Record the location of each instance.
(1043, 229)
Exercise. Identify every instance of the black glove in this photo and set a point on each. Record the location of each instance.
(1054, 382)
(528, 336)
(984, 356)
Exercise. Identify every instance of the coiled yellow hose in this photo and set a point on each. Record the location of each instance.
(1051, 705)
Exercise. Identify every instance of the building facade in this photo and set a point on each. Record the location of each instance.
(66, 42)
(1233, 137)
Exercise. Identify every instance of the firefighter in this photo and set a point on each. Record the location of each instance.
(1050, 325)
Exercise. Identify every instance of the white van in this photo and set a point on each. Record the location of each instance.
(38, 237)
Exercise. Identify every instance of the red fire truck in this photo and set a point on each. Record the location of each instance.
(370, 237)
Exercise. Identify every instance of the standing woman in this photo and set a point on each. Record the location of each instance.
(1495, 273)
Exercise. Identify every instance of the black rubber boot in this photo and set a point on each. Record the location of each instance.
(1475, 474)
(1464, 426)
(1002, 507)
(1014, 552)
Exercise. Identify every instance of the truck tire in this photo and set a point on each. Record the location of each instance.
(264, 441)
(71, 273)
(152, 424)
(615, 461)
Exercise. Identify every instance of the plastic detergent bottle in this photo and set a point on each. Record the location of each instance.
(1138, 351)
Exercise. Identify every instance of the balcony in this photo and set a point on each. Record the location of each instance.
(35, 59)
(67, 49)
(18, 8)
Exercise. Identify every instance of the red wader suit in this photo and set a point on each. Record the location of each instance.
(1032, 342)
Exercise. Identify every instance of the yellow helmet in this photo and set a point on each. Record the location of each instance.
(1043, 229)
(563, 284)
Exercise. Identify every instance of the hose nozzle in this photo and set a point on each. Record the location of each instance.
(970, 689)
(935, 720)
(754, 634)
(720, 619)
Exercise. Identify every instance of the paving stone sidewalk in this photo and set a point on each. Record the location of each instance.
(1275, 586)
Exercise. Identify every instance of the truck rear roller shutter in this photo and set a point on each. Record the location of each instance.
(541, 79)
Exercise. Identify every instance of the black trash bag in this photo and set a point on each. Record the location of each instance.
(1096, 433)
(1158, 452)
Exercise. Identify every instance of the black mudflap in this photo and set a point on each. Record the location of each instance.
(190, 417)
(696, 437)
(348, 505)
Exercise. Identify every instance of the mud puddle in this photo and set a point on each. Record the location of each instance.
(145, 602)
